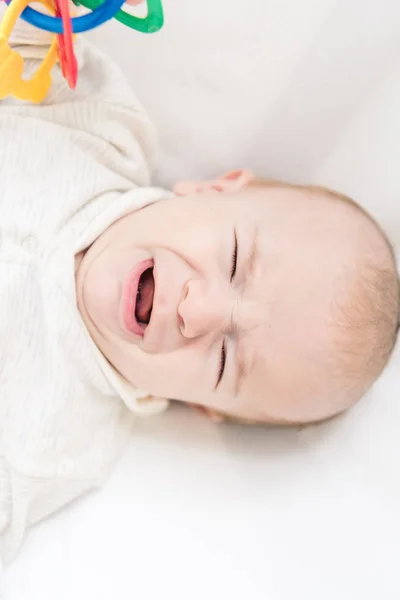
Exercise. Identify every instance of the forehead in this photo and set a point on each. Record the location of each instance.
(297, 206)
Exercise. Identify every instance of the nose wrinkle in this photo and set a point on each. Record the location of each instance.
(185, 293)
(181, 324)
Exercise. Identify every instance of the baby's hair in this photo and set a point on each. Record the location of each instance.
(368, 321)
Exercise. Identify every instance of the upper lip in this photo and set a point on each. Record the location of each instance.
(163, 332)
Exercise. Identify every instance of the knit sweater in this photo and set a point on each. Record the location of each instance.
(69, 168)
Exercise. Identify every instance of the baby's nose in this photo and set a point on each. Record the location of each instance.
(202, 310)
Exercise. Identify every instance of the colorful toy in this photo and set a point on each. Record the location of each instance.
(12, 63)
(64, 26)
(150, 24)
(66, 55)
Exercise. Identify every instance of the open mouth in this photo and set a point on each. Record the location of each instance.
(138, 296)
(144, 297)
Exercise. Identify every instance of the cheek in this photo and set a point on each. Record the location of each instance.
(98, 298)
(178, 375)
(185, 228)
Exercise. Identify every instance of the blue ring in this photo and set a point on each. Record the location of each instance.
(100, 15)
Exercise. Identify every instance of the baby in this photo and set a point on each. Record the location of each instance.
(254, 300)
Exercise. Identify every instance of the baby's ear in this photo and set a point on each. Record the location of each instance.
(236, 180)
(230, 182)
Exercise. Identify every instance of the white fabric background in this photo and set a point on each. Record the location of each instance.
(307, 90)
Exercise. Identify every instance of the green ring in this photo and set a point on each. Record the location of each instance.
(150, 24)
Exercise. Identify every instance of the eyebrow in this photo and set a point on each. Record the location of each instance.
(242, 366)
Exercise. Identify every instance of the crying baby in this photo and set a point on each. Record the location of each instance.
(249, 299)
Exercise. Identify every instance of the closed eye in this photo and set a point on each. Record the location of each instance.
(222, 361)
(234, 255)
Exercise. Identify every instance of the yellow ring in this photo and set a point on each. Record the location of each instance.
(12, 63)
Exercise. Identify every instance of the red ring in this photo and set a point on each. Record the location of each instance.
(66, 44)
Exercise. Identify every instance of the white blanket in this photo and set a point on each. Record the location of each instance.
(307, 90)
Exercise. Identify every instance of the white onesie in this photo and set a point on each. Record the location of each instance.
(68, 169)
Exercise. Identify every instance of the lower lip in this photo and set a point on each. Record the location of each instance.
(129, 298)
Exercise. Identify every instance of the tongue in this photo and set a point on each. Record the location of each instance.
(145, 299)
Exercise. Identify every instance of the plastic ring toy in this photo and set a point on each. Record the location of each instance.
(150, 24)
(103, 13)
(66, 55)
(12, 81)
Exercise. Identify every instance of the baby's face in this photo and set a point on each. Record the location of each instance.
(221, 298)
